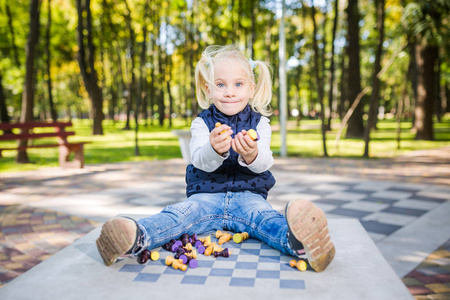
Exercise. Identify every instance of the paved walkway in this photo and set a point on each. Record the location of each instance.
(403, 203)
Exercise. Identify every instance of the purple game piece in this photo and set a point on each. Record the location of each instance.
(185, 238)
(184, 258)
(193, 263)
(224, 253)
(201, 249)
(198, 244)
(194, 238)
(176, 245)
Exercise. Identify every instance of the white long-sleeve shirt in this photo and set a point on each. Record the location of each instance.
(205, 158)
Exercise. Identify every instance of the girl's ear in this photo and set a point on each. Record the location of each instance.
(208, 91)
(252, 90)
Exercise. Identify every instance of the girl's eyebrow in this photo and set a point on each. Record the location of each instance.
(236, 79)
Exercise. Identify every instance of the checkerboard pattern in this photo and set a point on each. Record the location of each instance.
(251, 264)
(381, 207)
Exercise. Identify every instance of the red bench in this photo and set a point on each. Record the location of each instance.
(26, 131)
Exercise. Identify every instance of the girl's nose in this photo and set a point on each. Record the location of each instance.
(229, 92)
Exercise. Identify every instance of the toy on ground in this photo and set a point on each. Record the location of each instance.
(240, 237)
(223, 237)
(301, 265)
(146, 255)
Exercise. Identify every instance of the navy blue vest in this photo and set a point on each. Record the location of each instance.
(230, 176)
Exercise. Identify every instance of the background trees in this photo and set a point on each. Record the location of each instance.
(129, 59)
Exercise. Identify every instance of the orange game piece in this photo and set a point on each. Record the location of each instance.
(253, 134)
(300, 265)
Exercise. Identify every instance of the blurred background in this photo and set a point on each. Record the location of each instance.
(349, 63)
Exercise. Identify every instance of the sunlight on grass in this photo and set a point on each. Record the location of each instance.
(158, 143)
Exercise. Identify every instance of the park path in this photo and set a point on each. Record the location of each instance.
(43, 211)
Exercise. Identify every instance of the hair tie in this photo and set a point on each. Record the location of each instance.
(252, 63)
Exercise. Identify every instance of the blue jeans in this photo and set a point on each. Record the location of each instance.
(200, 213)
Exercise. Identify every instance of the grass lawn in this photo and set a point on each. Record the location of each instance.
(156, 143)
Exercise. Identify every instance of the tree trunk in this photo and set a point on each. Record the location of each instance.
(13, 35)
(48, 62)
(86, 62)
(28, 89)
(331, 84)
(143, 75)
(4, 117)
(355, 123)
(319, 81)
(426, 57)
(374, 98)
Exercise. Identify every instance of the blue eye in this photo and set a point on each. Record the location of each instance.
(220, 85)
(238, 84)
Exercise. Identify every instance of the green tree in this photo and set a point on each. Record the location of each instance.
(423, 21)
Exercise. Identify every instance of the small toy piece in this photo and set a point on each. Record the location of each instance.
(201, 249)
(168, 246)
(211, 248)
(176, 245)
(218, 125)
(191, 254)
(178, 265)
(194, 238)
(146, 255)
(206, 241)
(154, 256)
(253, 134)
(193, 263)
(188, 247)
(300, 265)
(223, 237)
(240, 237)
(185, 238)
(169, 260)
(184, 259)
(224, 253)
(175, 263)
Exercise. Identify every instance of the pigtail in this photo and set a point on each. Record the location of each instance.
(263, 90)
(203, 72)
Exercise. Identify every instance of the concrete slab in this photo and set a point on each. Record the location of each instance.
(359, 271)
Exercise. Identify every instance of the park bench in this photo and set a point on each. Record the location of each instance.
(184, 138)
(31, 131)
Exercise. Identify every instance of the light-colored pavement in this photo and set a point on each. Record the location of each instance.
(403, 204)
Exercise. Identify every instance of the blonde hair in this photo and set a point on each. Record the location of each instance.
(204, 74)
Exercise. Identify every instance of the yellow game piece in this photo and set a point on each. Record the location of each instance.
(301, 265)
(240, 237)
(154, 255)
(218, 125)
(206, 241)
(211, 248)
(192, 254)
(224, 238)
(177, 265)
(169, 260)
(188, 247)
(253, 134)
(218, 234)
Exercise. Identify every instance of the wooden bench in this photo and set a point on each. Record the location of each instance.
(27, 132)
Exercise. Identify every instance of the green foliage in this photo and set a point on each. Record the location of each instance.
(157, 143)
(423, 21)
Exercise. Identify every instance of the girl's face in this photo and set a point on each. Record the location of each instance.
(232, 88)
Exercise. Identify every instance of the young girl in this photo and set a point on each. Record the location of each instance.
(229, 178)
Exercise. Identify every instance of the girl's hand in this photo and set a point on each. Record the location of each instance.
(220, 139)
(245, 146)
